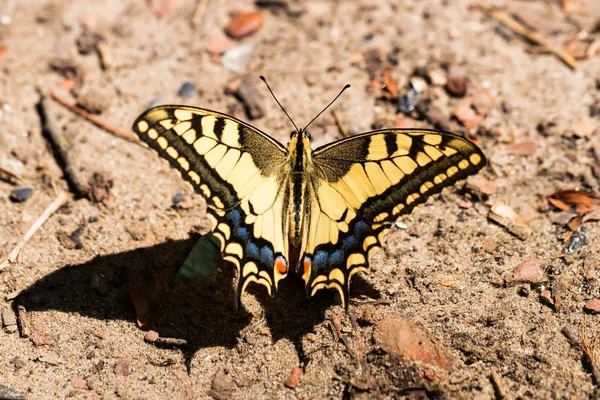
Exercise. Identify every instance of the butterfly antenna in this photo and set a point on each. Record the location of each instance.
(262, 78)
(328, 105)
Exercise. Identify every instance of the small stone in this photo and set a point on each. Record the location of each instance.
(79, 383)
(546, 297)
(102, 335)
(9, 318)
(222, 386)
(448, 282)
(123, 368)
(483, 102)
(93, 100)
(181, 376)
(8, 393)
(218, 45)
(467, 115)
(188, 89)
(42, 339)
(528, 271)
(592, 306)
(521, 149)
(437, 76)
(265, 332)
(244, 24)
(480, 185)
(456, 83)
(404, 341)
(151, 337)
(523, 291)
(294, 379)
(311, 337)
(20, 195)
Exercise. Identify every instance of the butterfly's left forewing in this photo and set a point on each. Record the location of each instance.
(241, 172)
(362, 184)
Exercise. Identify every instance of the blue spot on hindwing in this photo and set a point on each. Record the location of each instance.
(252, 250)
(320, 260)
(349, 243)
(235, 217)
(360, 228)
(242, 233)
(266, 255)
(336, 258)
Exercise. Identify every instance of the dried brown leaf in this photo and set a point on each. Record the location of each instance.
(577, 200)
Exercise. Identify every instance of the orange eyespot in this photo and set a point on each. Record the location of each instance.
(306, 266)
(281, 266)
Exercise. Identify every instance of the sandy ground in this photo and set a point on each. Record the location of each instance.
(440, 274)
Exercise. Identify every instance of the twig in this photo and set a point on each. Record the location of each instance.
(339, 124)
(55, 205)
(96, 121)
(199, 12)
(589, 349)
(528, 34)
(52, 133)
(8, 172)
(498, 386)
(104, 55)
(24, 323)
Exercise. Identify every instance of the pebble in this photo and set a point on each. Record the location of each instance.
(521, 149)
(244, 24)
(237, 58)
(79, 383)
(592, 306)
(218, 45)
(181, 376)
(437, 76)
(123, 368)
(151, 337)
(546, 297)
(456, 83)
(93, 100)
(9, 318)
(294, 379)
(222, 386)
(478, 184)
(188, 89)
(11, 394)
(578, 240)
(404, 341)
(528, 271)
(20, 195)
(42, 339)
(102, 335)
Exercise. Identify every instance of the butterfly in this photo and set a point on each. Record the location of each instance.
(317, 212)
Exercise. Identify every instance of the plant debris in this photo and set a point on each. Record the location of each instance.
(574, 200)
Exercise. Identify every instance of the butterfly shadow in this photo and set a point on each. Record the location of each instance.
(202, 312)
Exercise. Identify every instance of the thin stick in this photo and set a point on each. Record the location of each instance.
(9, 173)
(96, 121)
(52, 133)
(339, 124)
(199, 12)
(528, 34)
(61, 200)
(498, 386)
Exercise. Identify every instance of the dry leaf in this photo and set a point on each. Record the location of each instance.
(148, 291)
(580, 201)
(390, 85)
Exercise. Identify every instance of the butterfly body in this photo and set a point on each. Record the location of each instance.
(320, 212)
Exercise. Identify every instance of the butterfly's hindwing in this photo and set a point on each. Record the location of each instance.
(239, 170)
(364, 183)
